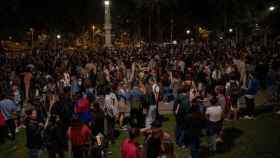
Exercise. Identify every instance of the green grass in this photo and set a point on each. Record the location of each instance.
(259, 138)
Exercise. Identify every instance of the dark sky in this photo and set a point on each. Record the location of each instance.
(76, 15)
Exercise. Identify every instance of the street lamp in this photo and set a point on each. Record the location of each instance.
(230, 30)
(188, 32)
(58, 36)
(32, 37)
(271, 8)
(107, 2)
(93, 28)
(107, 24)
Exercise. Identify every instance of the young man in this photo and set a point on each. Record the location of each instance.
(250, 96)
(156, 92)
(8, 107)
(197, 123)
(182, 112)
(110, 109)
(130, 147)
(33, 135)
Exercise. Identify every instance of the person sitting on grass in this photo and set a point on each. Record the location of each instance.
(130, 147)
(157, 142)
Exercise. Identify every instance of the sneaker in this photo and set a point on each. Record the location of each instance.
(219, 140)
(278, 112)
(17, 130)
(123, 129)
(251, 118)
(247, 117)
(22, 126)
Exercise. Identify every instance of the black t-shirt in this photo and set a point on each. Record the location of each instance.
(98, 122)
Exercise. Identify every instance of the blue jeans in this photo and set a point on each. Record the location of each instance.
(180, 135)
(34, 153)
(151, 116)
(195, 146)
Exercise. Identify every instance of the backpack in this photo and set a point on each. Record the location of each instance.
(136, 103)
(234, 89)
(2, 119)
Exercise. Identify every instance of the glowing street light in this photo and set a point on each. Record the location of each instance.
(106, 2)
(107, 24)
(271, 8)
(58, 36)
(188, 32)
(230, 30)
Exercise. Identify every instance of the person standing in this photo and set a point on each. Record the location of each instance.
(123, 107)
(97, 124)
(136, 98)
(233, 91)
(33, 135)
(156, 92)
(250, 95)
(110, 109)
(79, 136)
(9, 108)
(197, 123)
(151, 109)
(182, 113)
(27, 81)
(214, 115)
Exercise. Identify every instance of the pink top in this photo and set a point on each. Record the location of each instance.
(79, 135)
(129, 149)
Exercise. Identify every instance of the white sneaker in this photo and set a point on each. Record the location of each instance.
(17, 130)
(247, 117)
(22, 126)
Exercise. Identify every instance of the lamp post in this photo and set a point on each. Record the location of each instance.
(171, 29)
(32, 37)
(93, 28)
(107, 24)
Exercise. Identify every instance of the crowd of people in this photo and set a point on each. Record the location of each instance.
(74, 100)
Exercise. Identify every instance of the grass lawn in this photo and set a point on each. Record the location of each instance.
(258, 138)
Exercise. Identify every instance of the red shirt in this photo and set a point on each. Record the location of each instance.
(129, 149)
(79, 135)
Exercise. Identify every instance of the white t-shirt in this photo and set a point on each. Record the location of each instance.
(215, 113)
(155, 88)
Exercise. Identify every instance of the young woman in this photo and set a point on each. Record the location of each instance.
(79, 136)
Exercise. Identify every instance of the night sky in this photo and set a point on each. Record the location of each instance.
(77, 15)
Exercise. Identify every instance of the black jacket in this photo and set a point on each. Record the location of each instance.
(34, 135)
